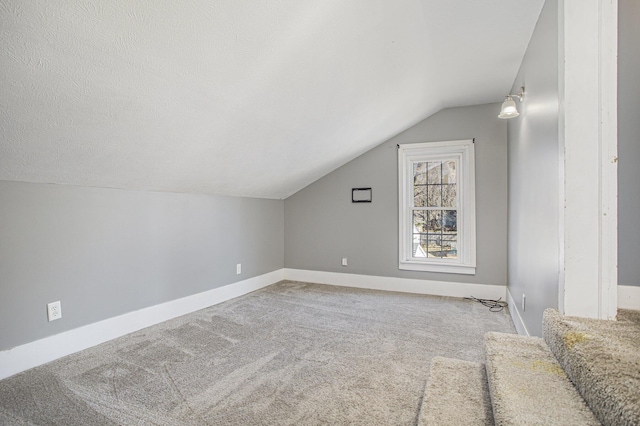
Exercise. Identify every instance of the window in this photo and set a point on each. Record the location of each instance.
(437, 207)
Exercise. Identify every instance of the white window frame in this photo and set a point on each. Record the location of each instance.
(463, 152)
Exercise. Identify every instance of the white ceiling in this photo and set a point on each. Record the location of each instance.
(236, 97)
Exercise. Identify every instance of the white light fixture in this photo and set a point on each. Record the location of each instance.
(509, 109)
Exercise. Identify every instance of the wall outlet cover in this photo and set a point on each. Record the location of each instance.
(54, 311)
(238, 269)
(344, 261)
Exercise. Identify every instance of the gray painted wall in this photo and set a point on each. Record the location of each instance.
(628, 142)
(534, 177)
(105, 252)
(322, 225)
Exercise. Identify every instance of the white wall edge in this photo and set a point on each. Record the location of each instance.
(33, 354)
(515, 316)
(628, 297)
(588, 40)
(404, 285)
(608, 61)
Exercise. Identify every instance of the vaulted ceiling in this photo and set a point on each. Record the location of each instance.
(237, 97)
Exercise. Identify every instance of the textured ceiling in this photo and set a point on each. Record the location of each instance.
(236, 97)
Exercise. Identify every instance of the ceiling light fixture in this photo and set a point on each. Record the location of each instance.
(509, 109)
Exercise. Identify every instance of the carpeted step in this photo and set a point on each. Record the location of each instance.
(528, 386)
(602, 358)
(456, 394)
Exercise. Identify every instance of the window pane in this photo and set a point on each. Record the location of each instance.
(449, 171)
(450, 222)
(434, 224)
(420, 196)
(434, 196)
(419, 173)
(420, 245)
(434, 247)
(449, 196)
(441, 246)
(435, 172)
(450, 246)
(420, 221)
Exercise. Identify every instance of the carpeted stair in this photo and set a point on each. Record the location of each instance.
(528, 386)
(456, 394)
(602, 359)
(584, 372)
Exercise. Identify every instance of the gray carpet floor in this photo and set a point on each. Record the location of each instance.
(289, 354)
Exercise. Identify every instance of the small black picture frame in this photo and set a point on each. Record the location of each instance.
(361, 195)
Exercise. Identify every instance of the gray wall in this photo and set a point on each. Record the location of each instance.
(105, 252)
(628, 142)
(534, 177)
(322, 225)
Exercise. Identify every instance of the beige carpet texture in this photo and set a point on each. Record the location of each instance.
(289, 354)
(457, 394)
(602, 358)
(528, 386)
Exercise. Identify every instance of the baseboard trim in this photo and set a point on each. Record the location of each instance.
(404, 285)
(39, 352)
(628, 297)
(515, 316)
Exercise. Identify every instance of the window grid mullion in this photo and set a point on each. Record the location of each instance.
(441, 208)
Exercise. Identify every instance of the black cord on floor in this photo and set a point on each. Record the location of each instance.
(493, 305)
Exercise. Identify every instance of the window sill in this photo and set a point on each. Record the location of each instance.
(432, 267)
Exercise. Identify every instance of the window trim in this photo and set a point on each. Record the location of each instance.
(410, 153)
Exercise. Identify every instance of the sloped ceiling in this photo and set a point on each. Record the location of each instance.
(236, 97)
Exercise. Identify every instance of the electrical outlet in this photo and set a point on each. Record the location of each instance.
(344, 261)
(54, 311)
(524, 302)
(238, 268)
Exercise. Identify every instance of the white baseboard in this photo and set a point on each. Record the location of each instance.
(404, 285)
(515, 316)
(41, 351)
(628, 297)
